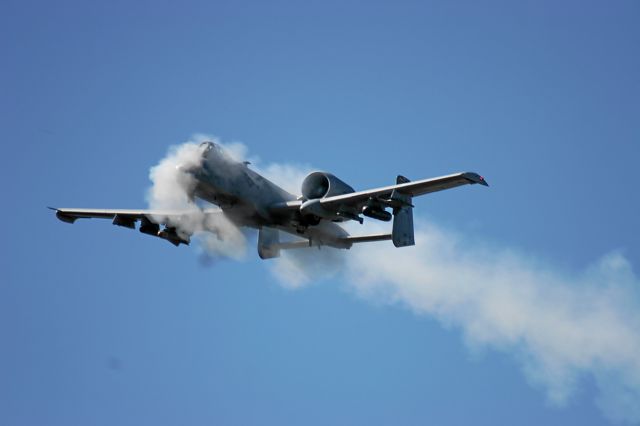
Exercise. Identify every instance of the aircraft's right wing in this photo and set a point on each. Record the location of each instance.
(410, 188)
(356, 200)
(150, 220)
(374, 202)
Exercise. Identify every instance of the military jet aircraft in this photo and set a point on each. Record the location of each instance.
(246, 198)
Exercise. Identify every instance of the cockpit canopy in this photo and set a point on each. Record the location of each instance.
(211, 150)
(208, 146)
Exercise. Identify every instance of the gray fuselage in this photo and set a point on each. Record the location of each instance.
(246, 198)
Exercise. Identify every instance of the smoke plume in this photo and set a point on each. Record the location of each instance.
(563, 327)
(216, 236)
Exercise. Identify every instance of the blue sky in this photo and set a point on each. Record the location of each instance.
(101, 325)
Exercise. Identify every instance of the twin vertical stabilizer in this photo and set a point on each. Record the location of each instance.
(402, 234)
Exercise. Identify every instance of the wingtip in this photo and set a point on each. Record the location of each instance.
(476, 178)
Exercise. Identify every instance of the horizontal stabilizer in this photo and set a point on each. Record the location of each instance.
(345, 242)
(367, 238)
(294, 245)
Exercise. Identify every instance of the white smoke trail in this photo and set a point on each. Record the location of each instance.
(297, 268)
(563, 327)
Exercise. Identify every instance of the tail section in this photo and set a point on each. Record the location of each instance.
(402, 234)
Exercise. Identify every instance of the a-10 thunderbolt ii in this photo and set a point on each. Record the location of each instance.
(248, 199)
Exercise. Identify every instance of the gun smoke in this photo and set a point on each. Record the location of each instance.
(562, 327)
(215, 234)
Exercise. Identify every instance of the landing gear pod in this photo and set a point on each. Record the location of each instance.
(402, 234)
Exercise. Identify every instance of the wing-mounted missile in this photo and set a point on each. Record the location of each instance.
(126, 221)
(376, 209)
(148, 227)
(168, 233)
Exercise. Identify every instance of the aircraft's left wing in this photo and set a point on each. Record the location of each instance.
(71, 215)
(150, 220)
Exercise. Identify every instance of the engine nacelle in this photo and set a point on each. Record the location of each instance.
(321, 184)
(313, 208)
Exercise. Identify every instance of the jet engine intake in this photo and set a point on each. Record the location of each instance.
(321, 184)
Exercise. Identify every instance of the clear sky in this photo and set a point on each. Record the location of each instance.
(101, 325)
